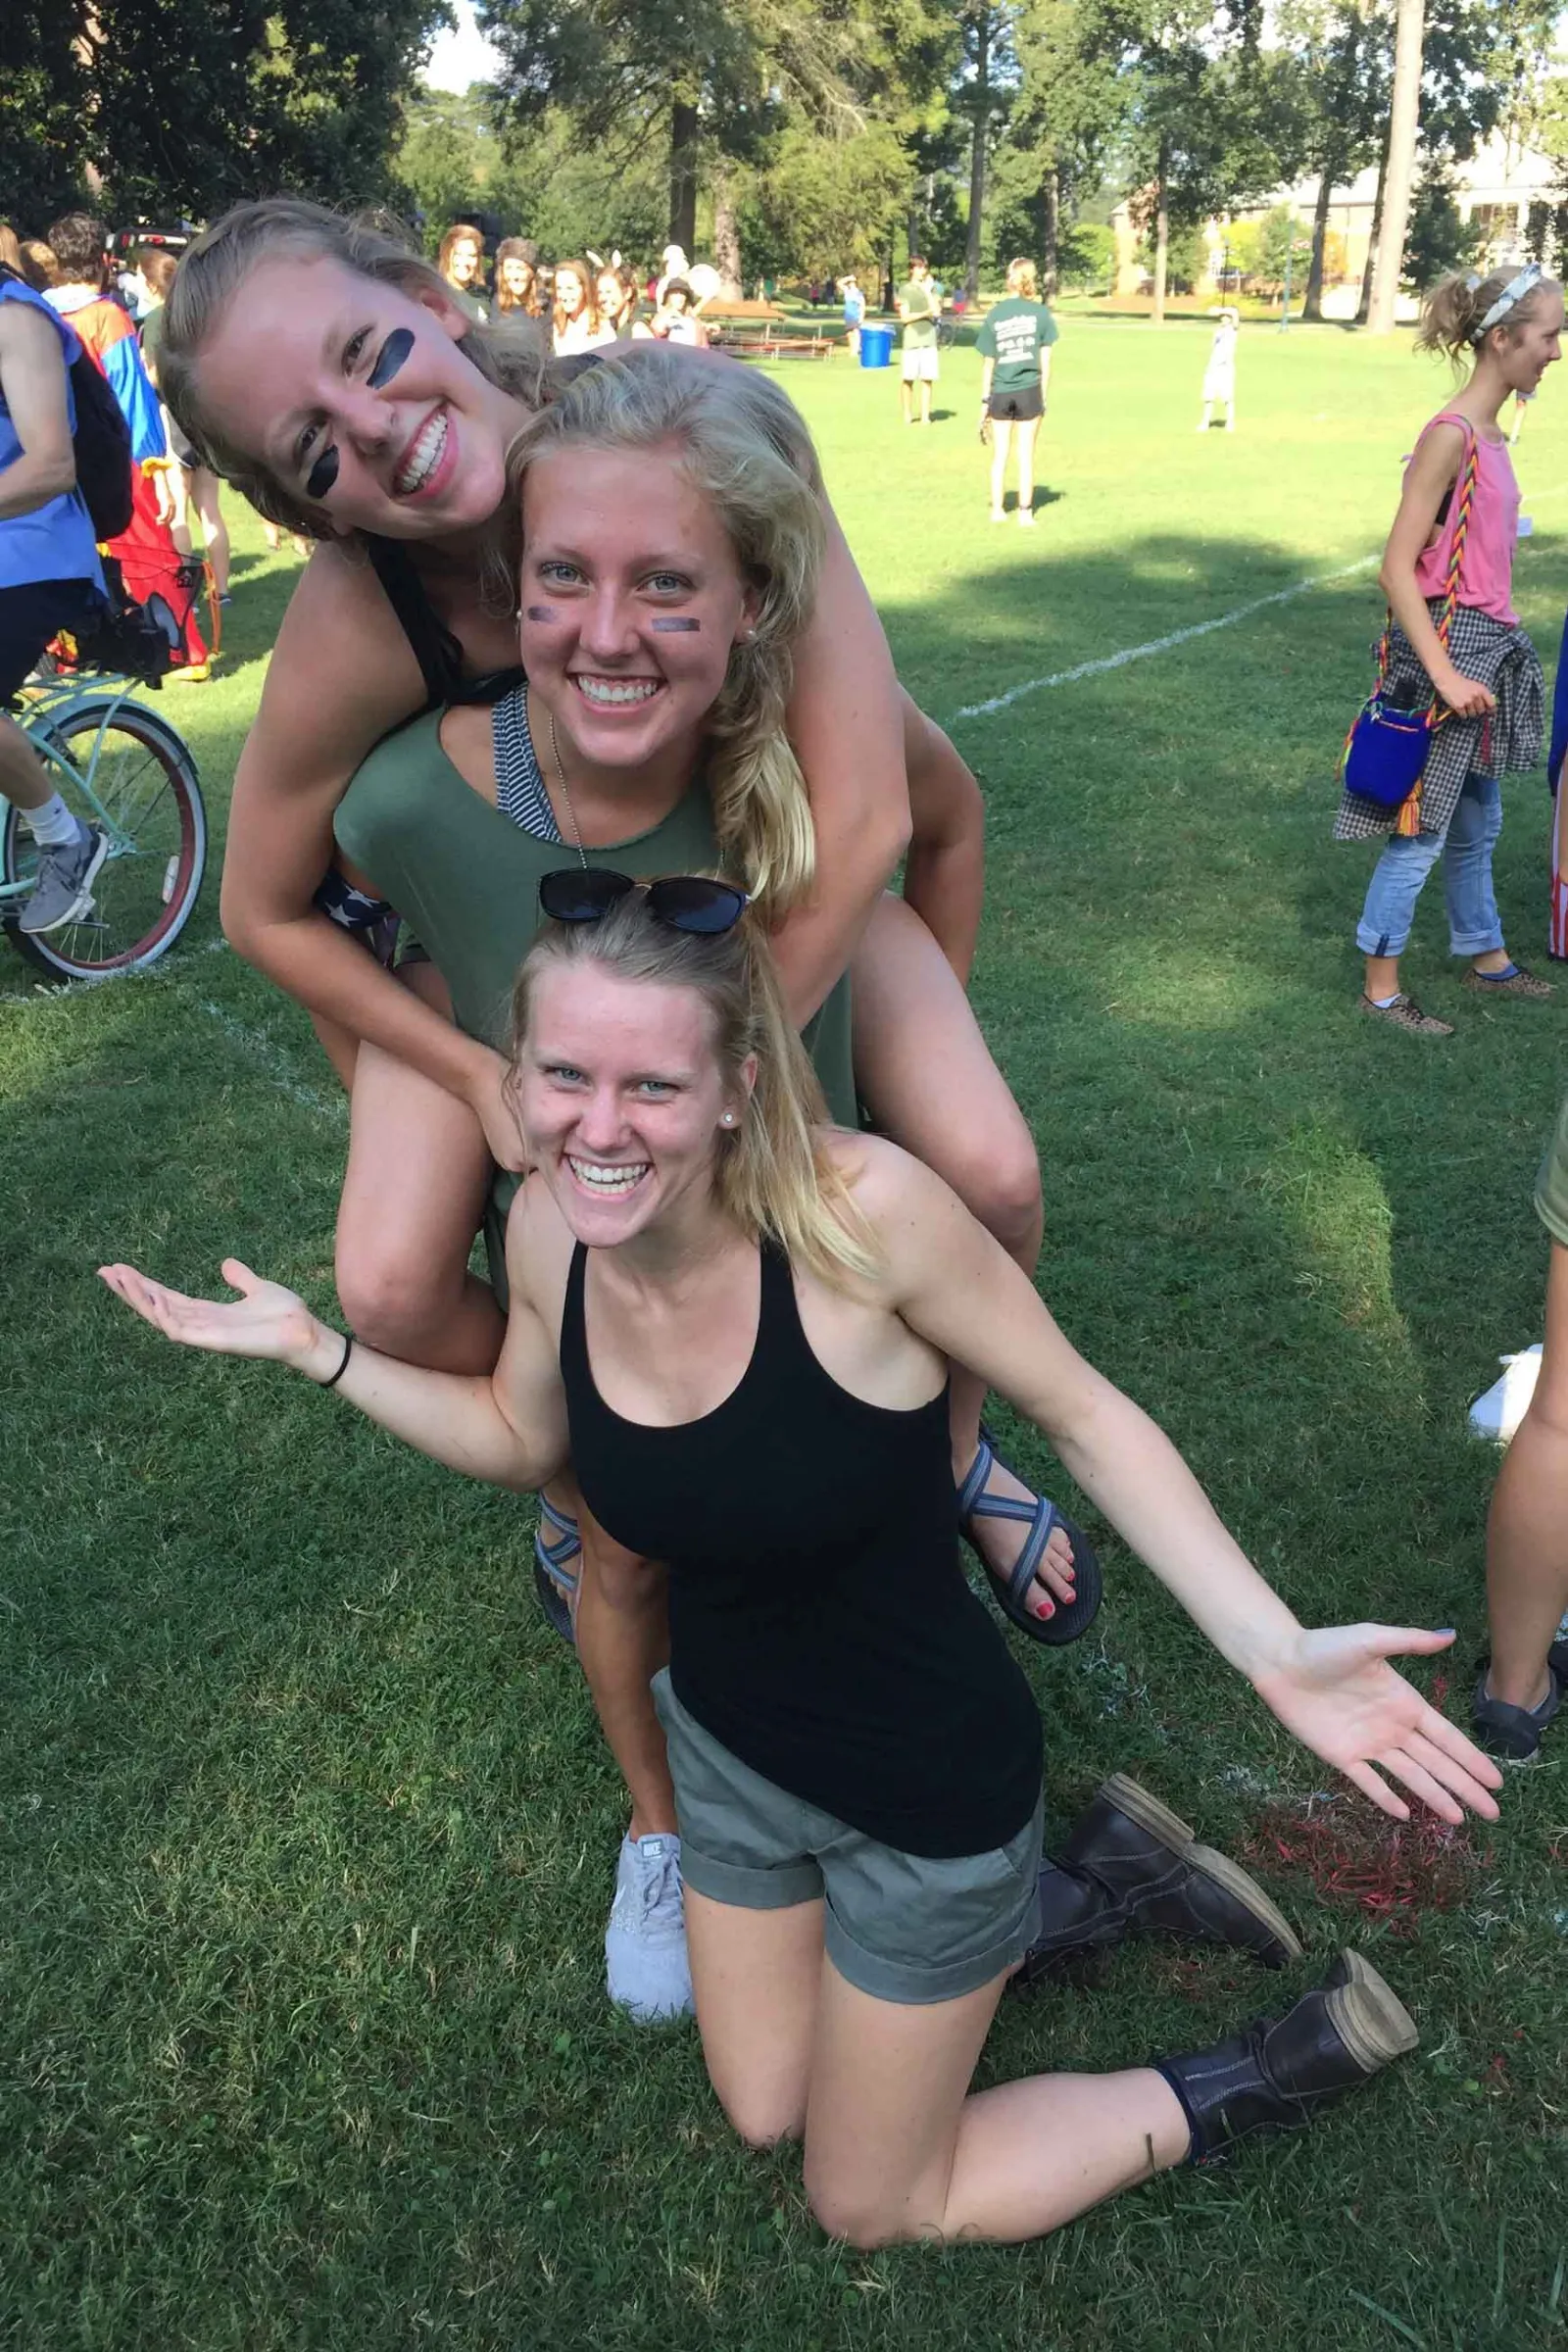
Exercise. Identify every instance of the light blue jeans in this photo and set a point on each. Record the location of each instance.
(1474, 925)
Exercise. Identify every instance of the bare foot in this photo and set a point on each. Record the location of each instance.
(1000, 1541)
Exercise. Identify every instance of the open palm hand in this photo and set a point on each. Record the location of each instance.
(265, 1321)
(1342, 1699)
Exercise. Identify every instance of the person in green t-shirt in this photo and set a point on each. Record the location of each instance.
(919, 307)
(1014, 343)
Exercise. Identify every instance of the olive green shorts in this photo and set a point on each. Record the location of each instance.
(1551, 1183)
(905, 1928)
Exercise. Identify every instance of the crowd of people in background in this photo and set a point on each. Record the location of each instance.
(583, 301)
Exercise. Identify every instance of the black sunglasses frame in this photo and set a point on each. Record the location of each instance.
(670, 901)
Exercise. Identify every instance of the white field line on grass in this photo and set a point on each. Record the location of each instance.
(1163, 645)
(1199, 628)
(276, 1063)
(254, 1044)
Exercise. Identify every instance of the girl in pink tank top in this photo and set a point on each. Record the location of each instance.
(1459, 506)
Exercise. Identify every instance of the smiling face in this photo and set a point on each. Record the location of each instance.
(1535, 343)
(463, 262)
(631, 601)
(517, 278)
(571, 292)
(354, 395)
(623, 1100)
(611, 296)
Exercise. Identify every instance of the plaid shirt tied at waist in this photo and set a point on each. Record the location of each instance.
(1506, 741)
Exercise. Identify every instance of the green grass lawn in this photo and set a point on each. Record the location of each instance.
(307, 1828)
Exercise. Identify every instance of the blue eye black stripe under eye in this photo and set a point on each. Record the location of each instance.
(391, 356)
(672, 622)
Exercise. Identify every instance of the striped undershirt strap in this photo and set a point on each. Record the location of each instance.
(520, 794)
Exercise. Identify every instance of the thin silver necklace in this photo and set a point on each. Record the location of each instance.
(565, 789)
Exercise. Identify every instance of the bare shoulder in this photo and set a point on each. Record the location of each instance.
(27, 334)
(342, 671)
(895, 1192)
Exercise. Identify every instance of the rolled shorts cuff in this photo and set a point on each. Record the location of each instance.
(748, 1887)
(915, 1983)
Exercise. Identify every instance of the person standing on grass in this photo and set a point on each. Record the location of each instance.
(50, 579)
(1521, 1684)
(1014, 346)
(919, 307)
(194, 484)
(1485, 681)
(853, 309)
(1219, 376)
(739, 1321)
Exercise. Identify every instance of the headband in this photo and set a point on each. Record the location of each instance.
(1529, 277)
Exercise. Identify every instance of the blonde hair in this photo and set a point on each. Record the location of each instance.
(588, 278)
(772, 1175)
(511, 352)
(742, 446)
(1452, 312)
(9, 247)
(1024, 280)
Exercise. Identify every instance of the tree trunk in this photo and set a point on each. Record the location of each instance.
(1051, 198)
(726, 234)
(683, 176)
(1162, 233)
(977, 153)
(1363, 307)
(1403, 122)
(1312, 306)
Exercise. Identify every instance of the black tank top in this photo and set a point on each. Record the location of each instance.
(821, 1625)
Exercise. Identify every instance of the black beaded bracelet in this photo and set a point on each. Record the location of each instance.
(348, 1351)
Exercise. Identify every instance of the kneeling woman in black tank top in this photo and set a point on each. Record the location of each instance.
(739, 1320)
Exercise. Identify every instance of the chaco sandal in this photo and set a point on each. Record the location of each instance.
(552, 1575)
(1071, 1618)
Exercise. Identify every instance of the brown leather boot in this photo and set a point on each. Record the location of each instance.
(1130, 1868)
(1276, 2073)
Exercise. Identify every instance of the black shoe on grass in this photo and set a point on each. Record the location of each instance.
(1276, 2073)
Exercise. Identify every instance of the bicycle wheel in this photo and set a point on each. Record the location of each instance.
(150, 804)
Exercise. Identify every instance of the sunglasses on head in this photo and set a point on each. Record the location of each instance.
(682, 902)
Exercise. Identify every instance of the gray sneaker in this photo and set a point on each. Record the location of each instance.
(62, 892)
(645, 1942)
(1513, 1733)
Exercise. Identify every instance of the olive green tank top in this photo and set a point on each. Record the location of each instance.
(465, 879)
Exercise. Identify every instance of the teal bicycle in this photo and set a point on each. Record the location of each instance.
(124, 769)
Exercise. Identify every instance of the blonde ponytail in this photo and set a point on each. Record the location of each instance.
(743, 446)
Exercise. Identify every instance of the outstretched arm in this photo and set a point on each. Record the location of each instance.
(510, 1428)
(1333, 1687)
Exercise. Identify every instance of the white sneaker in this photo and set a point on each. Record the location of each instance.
(1499, 1413)
(645, 1944)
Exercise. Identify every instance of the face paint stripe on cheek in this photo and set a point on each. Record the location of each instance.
(544, 612)
(393, 352)
(323, 474)
(673, 622)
